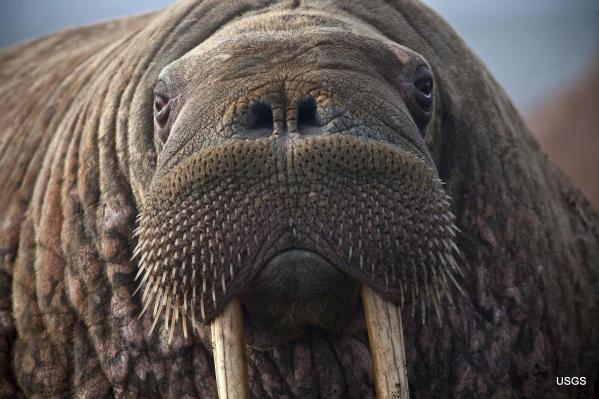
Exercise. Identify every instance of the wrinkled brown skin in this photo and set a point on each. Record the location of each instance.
(76, 150)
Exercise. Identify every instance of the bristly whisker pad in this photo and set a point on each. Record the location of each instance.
(377, 212)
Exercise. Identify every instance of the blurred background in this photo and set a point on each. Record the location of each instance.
(545, 53)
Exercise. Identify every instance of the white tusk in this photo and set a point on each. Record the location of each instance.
(229, 352)
(385, 333)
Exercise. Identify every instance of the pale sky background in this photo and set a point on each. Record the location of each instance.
(532, 47)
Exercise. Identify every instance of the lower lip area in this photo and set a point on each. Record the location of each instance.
(295, 290)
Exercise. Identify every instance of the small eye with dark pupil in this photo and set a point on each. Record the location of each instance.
(425, 86)
(161, 108)
(159, 103)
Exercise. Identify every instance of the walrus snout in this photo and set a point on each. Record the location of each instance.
(297, 289)
(377, 211)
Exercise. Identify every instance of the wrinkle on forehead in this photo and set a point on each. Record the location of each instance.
(258, 44)
(271, 25)
(293, 20)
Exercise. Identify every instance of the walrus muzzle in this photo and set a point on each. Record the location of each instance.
(373, 210)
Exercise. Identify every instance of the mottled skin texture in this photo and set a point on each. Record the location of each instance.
(78, 152)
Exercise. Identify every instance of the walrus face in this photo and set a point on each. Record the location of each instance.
(292, 171)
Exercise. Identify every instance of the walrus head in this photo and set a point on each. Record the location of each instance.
(292, 170)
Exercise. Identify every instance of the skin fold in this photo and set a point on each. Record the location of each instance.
(296, 144)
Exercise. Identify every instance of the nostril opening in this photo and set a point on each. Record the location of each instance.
(261, 116)
(306, 114)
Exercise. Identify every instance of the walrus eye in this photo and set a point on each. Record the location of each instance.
(161, 108)
(424, 88)
(419, 96)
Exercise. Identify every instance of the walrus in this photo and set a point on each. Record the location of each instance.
(283, 199)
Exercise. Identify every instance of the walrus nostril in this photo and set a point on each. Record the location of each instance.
(306, 115)
(261, 116)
